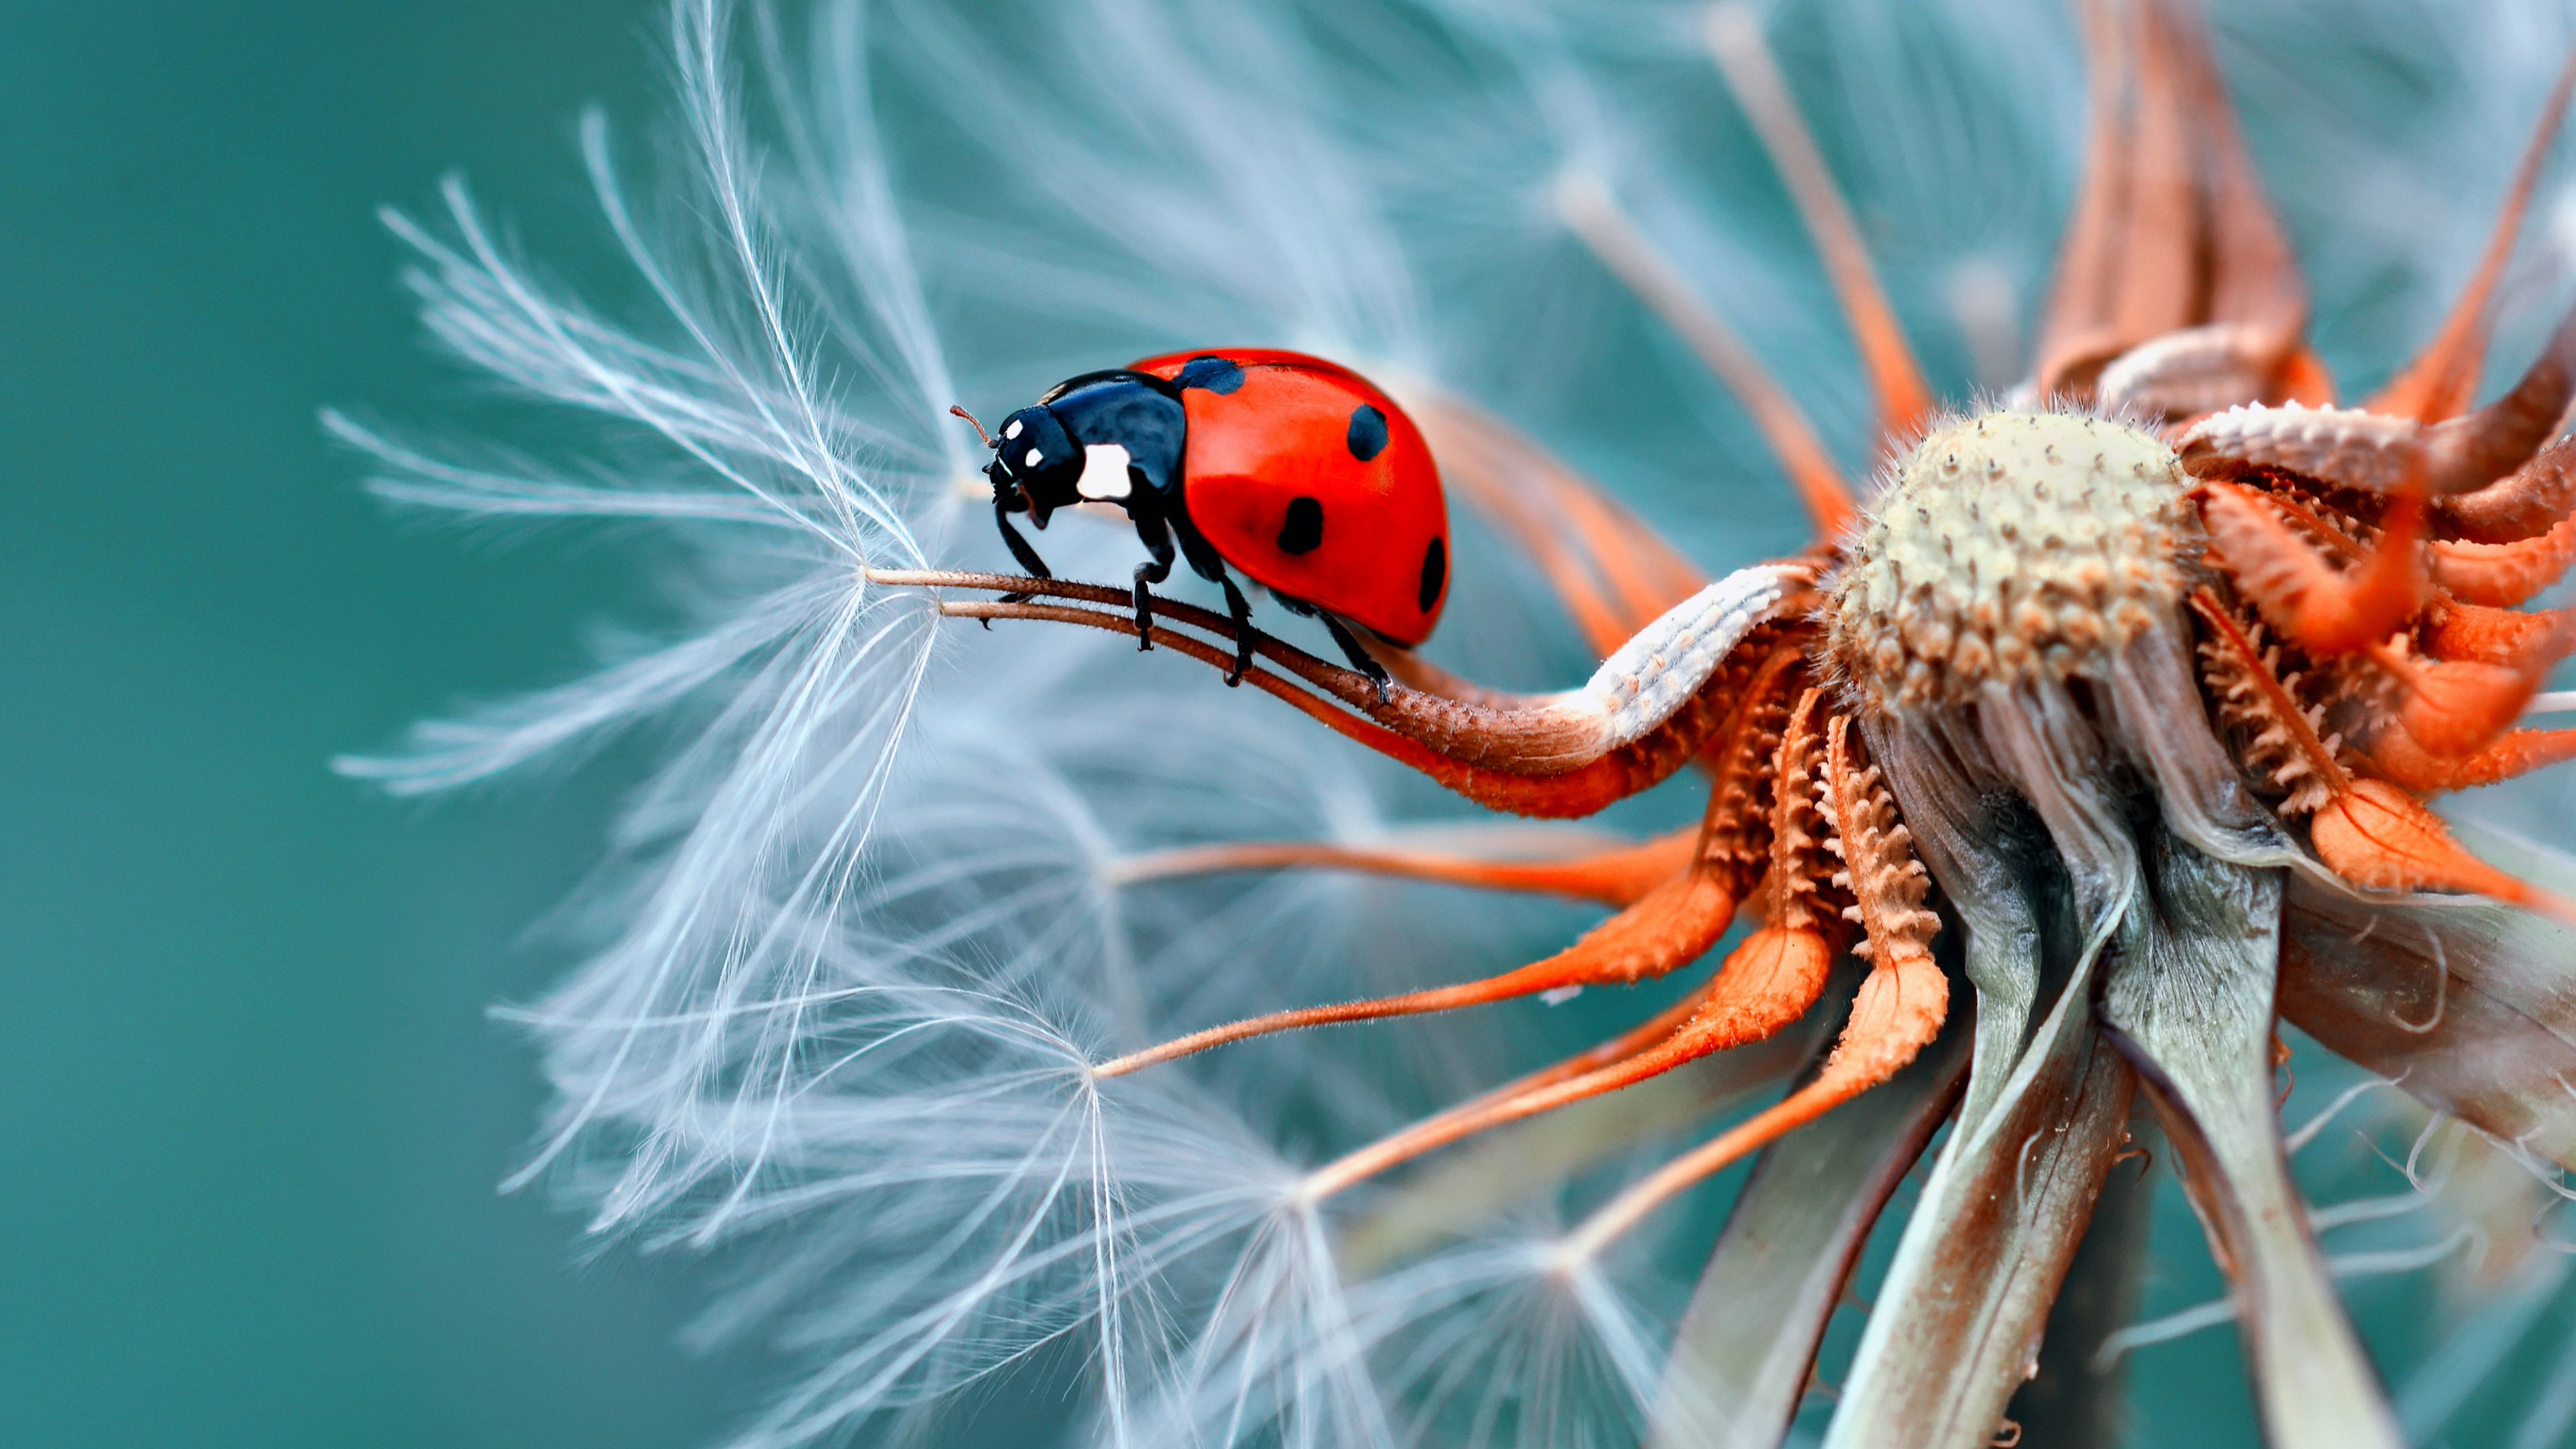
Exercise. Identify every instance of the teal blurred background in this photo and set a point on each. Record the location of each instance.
(254, 1109)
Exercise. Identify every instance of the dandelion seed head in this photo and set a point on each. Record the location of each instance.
(2009, 547)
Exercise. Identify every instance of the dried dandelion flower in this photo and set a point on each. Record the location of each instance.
(2052, 773)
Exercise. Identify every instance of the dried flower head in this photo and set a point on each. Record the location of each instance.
(2008, 548)
(2043, 783)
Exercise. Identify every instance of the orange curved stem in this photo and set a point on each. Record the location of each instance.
(2375, 834)
(2473, 633)
(2323, 609)
(1766, 983)
(1668, 928)
(2525, 503)
(2457, 708)
(1905, 401)
(2442, 380)
(2501, 575)
(2406, 763)
(1618, 877)
(1895, 1014)
(1596, 217)
(1456, 744)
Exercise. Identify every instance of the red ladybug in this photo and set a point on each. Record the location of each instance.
(1296, 471)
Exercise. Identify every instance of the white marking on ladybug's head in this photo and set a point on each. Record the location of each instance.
(1034, 459)
(1104, 473)
(1015, 429)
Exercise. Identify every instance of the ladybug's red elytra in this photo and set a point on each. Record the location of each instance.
(1298, 472)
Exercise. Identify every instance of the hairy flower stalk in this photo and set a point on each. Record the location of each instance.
(2089, 744)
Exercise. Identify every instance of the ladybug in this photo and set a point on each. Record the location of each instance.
(1298, 472)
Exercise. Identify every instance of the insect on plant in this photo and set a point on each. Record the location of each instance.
(2089, 741)
(1244, 457)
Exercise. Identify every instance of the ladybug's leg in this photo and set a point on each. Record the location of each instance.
(1360, 658)
(1239, 609)
(1004, 495)
(1158, 542)
(1208, 564)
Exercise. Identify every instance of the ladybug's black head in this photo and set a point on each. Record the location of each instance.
(1036, 460)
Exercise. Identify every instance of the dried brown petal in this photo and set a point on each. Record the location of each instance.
(1959, 1315)
(2470, 1008)
(2191, 1000)
(1741, 1359)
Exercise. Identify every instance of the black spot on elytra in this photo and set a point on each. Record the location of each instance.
(1304, 530)
(1435, 572)
(1217, 374)
(1368, 432)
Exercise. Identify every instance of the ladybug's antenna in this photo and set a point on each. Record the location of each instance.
(987, 438)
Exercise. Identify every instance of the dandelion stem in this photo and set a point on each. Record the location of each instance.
(1347, 685)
